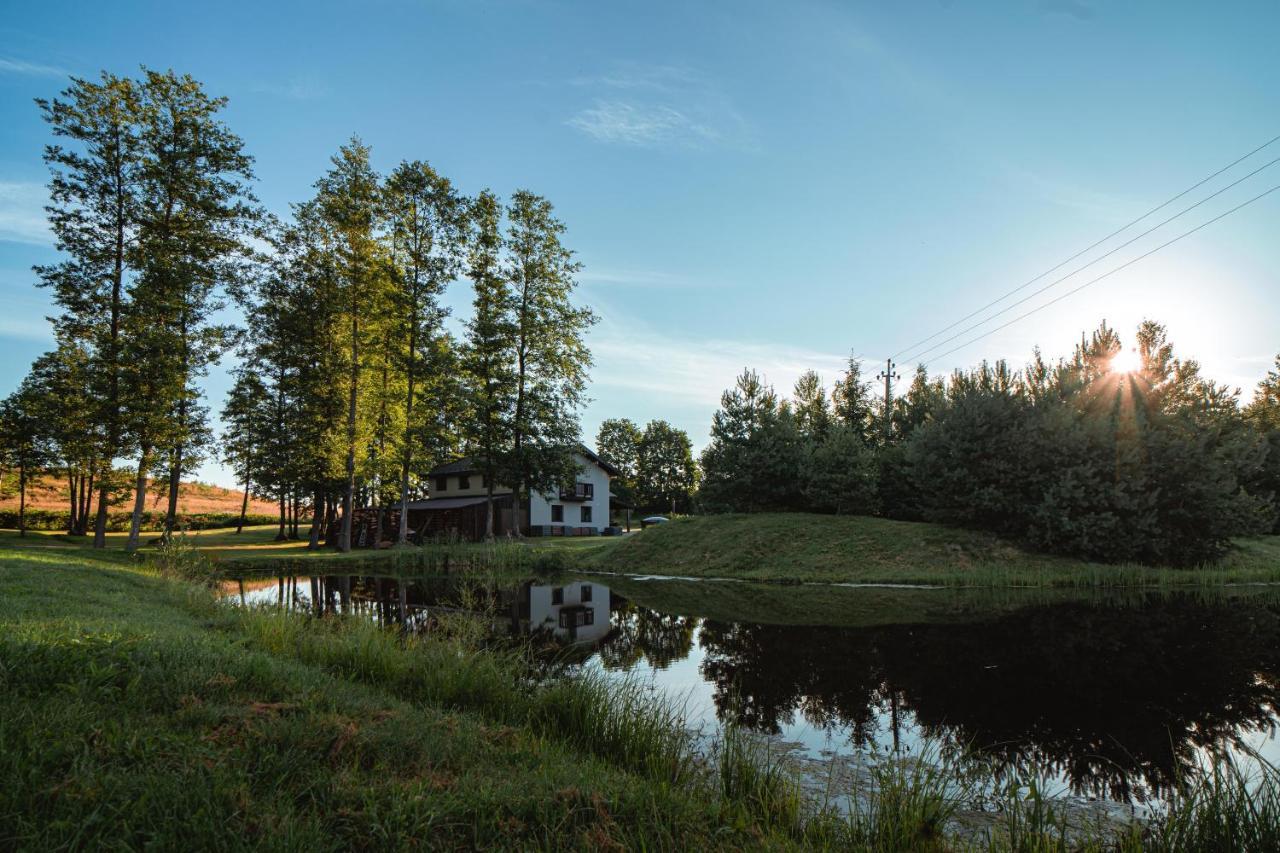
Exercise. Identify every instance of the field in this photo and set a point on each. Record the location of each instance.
(49, 493)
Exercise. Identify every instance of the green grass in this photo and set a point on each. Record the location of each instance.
(800, 547)
(137, 712)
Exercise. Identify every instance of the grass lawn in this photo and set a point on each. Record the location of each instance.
(137, 712)
(799, 547)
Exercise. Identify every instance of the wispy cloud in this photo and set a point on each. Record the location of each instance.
(632, 124)
(1077, 9)
(31, 69)
(22, 217)
(656, 106)
(637, 359)
(641, 278)
(295, 89)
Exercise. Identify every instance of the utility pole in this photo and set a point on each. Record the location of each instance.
(889, 377)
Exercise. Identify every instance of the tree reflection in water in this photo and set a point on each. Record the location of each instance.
(1116, 700)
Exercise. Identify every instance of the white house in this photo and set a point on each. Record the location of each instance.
(581, 509)
(576, 611)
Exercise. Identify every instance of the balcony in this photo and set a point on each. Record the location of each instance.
(579, 492)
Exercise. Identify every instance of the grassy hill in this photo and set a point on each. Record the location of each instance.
(50, 493)
(855, 549)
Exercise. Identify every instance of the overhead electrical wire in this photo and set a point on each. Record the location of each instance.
(1107, 274)
(918, 353)
(1088, 248)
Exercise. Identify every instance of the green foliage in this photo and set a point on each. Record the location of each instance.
(666, 474)
(1159, 466)
(618, 443)
(840, 475)
(45, 519)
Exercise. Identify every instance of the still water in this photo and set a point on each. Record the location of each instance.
(1109, 697)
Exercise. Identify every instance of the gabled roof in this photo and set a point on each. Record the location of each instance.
(466, 465)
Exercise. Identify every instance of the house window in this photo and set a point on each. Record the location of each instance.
(442, 484)
(586, 592)
(557, 595)
(557, 514)
(589, 616)
(464, 482)
(586, 515)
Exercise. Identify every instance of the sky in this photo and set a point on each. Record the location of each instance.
(747, 184)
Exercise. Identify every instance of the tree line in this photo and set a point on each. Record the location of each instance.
(349, 385)
(1158, 465)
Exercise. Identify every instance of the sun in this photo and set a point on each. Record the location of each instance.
(1125, 361)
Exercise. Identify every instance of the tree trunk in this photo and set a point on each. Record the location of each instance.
(175, 482)
(139, 499)
(86, 499)
(244, 503)
(488, 509)
(282, 536)
(100, 521)
(317, 521)
(22, 499)
(71, 491)
(344, 538)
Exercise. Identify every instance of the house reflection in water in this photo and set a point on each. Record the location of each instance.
(575, 612)
(578, 612)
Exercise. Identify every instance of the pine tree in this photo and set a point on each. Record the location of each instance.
(851, 401)
(811, 410)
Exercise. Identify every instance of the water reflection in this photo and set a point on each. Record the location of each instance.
(572, 612)
(1114, 697)
(1114, 700)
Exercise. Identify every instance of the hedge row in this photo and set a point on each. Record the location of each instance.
(47, 519)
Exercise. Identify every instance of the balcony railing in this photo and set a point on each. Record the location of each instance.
(579, 492)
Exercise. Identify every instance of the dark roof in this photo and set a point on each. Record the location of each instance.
(446, 503)
(466, 465)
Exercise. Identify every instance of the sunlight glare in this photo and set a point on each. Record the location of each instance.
(1125, 361)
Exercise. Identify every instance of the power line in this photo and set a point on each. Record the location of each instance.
(1089, 248)
(1101, 257)
(1107, 274)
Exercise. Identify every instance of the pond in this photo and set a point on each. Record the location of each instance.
(1108, 696)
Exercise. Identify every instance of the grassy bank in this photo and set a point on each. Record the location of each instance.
(136, 711)
(799, 547)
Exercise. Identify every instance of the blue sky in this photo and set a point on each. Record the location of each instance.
(748, 184)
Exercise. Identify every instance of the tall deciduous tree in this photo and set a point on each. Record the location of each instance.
(618, 443)
(551, 355)
(25, 440)
(195, 209)
(666, 474)
(489, 352)
(426, 226)
(95, 171)
(349, 201)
